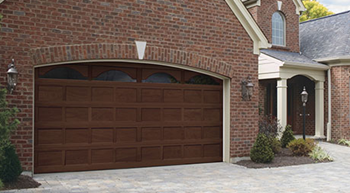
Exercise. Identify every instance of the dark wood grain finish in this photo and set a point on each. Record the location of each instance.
(90, 125)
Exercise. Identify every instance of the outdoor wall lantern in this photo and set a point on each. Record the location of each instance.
(304, 96)
(12, 75)
(247, 89)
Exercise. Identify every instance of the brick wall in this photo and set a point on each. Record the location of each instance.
(340, 102)
(263, 15)
(203, 34)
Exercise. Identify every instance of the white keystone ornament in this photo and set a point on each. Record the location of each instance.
(141, 47)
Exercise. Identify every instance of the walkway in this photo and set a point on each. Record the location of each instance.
(215, 177)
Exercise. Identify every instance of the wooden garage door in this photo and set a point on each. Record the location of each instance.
(104, 116)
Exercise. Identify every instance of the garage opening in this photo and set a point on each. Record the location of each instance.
(119, 115)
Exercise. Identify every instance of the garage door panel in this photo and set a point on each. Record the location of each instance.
(151, 114)
(50, 93)
(151, 153)
(192, 114)
(212, 115)
(102, 135)
(152, 95)
(49, 136)
(102, 94)
(152, 134)
(173, 95)
(102, 114)
(172, 152)
(173, 133)
(126, 114)
(102, 156)
(193, 132)
(93, 124)
(126, 155)
(77, 114)
(50, 158)
(78, 94)
(126, 134)
(49, 114)
(212, 150)
(77, 157)
(172, 114)
(77, 135)
(193, 96)
(126, 95)
(212, 96)
(193, 151)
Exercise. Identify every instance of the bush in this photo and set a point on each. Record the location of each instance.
(318, 154)
(344, 142)
(10, 166)
(261, 151)
(269, 126)
(287, 136)
(275, 145)
(1, 185)
(301, 147)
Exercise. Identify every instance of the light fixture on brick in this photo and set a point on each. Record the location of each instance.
(247, 89)
(12, 76)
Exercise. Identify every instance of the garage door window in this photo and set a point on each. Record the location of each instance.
(203, 80)
(116, 76)
(161, 78)
(63, 73)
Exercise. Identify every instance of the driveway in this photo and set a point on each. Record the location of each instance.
(213, 177)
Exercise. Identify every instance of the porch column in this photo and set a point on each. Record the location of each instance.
(282, 102)
(319, 109)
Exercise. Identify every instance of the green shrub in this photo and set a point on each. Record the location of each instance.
(261, 151)
(301, 147)
(1, 185)
(344, 142)
(275, 145)
(10, 166)
(318, 154)
(287, 136)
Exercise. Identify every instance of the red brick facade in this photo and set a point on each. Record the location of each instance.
(263, 15)
(202, 34)
(340, 102)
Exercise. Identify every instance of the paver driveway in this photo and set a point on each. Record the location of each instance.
(215, 177)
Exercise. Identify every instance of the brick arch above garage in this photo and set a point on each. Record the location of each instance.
(67, 53)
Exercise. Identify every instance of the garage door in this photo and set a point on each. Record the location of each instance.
(105, 116)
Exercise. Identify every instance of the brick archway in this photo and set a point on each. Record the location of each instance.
(58, 54)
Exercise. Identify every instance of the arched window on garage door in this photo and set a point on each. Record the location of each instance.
(161, 78)
(115, 75)
(202, 79)
(64, 73)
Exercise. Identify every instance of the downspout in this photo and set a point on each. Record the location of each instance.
(329, 124)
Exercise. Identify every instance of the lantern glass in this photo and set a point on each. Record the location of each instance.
(12, 76)
(250, 89)
(304, 96)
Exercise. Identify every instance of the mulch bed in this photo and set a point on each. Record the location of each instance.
(23, 182)
(284, 158)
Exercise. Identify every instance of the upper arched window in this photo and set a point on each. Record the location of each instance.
(278, 29)
(161, 78)
(115, 75)
(64, 73)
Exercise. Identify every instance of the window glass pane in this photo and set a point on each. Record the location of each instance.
(63, 73)
(277, 29)
(116, 76)
(202, 79)
(161, 78)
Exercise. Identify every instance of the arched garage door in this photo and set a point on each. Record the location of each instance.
(103, 116)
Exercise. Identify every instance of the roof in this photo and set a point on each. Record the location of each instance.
(289, 57)
(326, 37)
